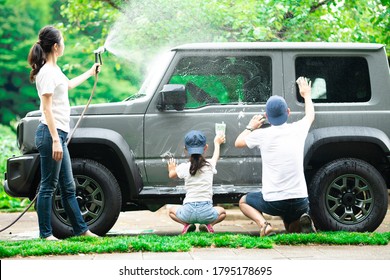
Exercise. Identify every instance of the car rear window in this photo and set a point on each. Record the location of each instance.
(224, 79)
(335, 79)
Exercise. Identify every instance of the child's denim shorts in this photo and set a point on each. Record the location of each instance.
(201, 212)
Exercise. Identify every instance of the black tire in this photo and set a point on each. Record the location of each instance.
(98, 195)
(349, 195)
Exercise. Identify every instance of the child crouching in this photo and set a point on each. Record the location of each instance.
(198, 175)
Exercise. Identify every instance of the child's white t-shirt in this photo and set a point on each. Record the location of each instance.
(200, 186)
(282, 151)
(51, 80)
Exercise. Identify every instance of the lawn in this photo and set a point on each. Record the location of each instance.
(181, 243)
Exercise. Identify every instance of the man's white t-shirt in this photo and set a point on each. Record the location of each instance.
(200, 186)
(281, 149)
(51, 80)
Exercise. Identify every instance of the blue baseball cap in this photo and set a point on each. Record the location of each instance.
(195, 141)
(277, 110)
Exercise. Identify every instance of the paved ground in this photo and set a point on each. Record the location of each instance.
(146, 222)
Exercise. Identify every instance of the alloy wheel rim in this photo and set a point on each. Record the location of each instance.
(89, 196)
(349, 199)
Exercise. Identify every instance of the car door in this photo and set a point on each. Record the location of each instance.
(222, 87)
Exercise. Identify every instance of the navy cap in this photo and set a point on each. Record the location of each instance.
(277, 110)
(195, 141)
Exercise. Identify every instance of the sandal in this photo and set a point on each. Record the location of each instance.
(263, 230)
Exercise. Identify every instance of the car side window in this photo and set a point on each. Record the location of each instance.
(224, 79)
(335, 79)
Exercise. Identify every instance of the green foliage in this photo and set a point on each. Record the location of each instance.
(14, 84)
(304, 20)
(155, 23)
(8, 149)
(333, 238)
(19, 27)
(180, 243)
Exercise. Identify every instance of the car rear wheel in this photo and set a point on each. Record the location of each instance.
(98, 195)
(348, 194)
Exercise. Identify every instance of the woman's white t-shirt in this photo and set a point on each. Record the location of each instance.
(200, 186)
(282, 149)
(51, 80)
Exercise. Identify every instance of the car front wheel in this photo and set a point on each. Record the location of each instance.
(98, 195)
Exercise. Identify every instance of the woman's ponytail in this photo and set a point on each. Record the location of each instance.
(48, 36)
(36, 59)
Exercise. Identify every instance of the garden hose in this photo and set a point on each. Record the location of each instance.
(67, 143)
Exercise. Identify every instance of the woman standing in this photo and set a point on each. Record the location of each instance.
(50, 138)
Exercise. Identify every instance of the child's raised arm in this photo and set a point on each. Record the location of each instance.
(218, 140)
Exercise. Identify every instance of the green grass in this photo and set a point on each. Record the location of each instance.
(8, 148)
(181, 243)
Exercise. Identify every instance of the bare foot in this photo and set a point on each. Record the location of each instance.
(89, 233)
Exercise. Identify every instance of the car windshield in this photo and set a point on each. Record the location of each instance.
(156, 70)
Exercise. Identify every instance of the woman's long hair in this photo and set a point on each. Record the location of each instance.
(48, 36)
(197, 162)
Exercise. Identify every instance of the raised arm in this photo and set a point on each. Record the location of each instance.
(83, 77)
(255, 123)
(305, 91)
(218, 140)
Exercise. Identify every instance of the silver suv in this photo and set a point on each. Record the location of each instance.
(120, 150)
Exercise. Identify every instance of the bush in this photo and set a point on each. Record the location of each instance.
(8, 148)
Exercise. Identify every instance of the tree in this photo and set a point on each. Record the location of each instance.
(16, 24)
(159, 22)
(19, 26)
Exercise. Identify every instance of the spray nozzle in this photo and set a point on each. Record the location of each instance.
(100, 50)
(98, 54)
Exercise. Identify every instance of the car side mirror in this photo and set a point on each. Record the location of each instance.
(172, 95)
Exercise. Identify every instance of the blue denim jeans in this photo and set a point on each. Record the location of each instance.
(290, 209)
(53, 174)
(201, 212)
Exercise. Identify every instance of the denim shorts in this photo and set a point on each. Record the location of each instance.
(201, 212)
(290, 209)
